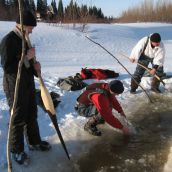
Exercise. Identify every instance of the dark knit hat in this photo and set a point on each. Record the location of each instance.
(155, 37)
(28, 19)
(116, 86)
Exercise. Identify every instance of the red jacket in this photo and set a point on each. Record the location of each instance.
(104, 103)
(94, 74)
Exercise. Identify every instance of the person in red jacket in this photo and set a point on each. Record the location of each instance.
(97, 102)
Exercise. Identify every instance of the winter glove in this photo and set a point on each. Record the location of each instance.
(132, 60)
(30, 54)
(126, 131)
(37, 67)
(123, 114)
(152, 71)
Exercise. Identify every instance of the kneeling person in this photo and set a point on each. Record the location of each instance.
(96, 103)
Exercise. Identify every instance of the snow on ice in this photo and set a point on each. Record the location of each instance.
(63, 51)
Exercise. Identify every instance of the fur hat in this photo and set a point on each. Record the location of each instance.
(155, 37)
(116, 86)
(28, 19)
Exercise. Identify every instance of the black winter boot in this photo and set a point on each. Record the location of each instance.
(90, 127)
(134, 86)
(43, 146)
(78, 77)
(155, 85)
(101, 121)
(21, 158)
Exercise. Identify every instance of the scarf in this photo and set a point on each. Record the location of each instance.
(18, 32)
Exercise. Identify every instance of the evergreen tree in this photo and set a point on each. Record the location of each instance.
(90, 11)
(73, 12)
(2, 3)
(42, 8)
(3, 7)
(76, 10)
(54, 6)
(84, 9)
(60, 12)
(32, 4)
(26, 5)
(16, 3)
(94, 10)
(39, 5)
(70, 10)
(29, 5)
(10, 3)
(100, 14)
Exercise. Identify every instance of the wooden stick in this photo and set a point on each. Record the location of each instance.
(48, 103)
(122, 66)
(146, 69)
(9, 161)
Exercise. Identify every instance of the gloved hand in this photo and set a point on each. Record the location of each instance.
(152, 71)
(30, 53)
(37, 67)
(132, 60)
(123, 114)
(126, 131)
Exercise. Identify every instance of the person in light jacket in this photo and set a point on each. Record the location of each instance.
(148, 50)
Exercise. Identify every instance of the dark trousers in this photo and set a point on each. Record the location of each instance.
(89, 111)
(139, 72)
(86, 110)
(24, 115)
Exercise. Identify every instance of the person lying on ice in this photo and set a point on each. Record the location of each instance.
(97, 102)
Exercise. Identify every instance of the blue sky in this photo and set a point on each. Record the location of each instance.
(109, 7)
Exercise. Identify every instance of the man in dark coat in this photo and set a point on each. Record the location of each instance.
(97, 102)
(25, 113)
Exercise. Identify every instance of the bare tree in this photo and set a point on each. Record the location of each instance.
(149, 11)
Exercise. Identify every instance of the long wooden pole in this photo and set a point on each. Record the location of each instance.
(146, 69)
(121, 65)
(49, 106)
(9, 161)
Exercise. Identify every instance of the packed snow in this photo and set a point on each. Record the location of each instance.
(62, 52)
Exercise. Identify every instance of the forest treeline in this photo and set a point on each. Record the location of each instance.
(148, 11)
(53, 12)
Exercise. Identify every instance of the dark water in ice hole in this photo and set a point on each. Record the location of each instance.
(145, 152)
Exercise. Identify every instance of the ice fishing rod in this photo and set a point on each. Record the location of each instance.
(121, 65)
(9, 161)
(145, 69)
(48, 103)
